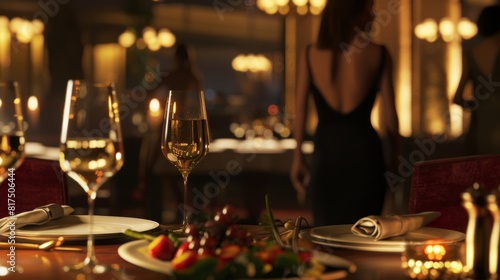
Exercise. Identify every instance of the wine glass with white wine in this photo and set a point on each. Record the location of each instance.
(91, 148)
(185, 137)
(11, 129)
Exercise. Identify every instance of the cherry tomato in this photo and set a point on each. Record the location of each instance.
(161, 248)
(184, 260)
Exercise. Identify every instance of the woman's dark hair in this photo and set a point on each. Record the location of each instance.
(337, 26)
(181, 52)
(338, 22)
(488, 22)
(184, 55)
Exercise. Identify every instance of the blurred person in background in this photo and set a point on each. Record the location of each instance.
(481, 66)
(184, 76)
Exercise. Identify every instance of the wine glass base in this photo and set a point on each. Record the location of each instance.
(178, 230)
(92, 268)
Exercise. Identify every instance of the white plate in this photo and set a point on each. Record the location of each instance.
(135, 252)
(76, 227)
(342, 237)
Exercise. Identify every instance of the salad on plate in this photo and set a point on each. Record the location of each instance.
(221, 249)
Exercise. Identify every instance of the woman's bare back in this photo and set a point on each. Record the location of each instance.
(358, 70)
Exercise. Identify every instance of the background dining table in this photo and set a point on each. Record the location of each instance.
(39, 264)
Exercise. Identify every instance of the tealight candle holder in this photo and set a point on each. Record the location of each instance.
(434, 260)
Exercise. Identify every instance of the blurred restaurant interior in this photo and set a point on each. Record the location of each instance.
(246, 54)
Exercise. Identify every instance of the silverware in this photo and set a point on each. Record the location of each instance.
(46, 246)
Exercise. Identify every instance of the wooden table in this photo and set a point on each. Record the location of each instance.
(34, 264)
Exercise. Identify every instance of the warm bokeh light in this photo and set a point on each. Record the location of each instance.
(166, 38)
(239, 132)
(109, 62)
(315, 10)
(251, 63)
(403, 82)
(435, 252)
(38, 26)
(283, 7)
(150, 39)
(375, 116)
(434, 261)
(32, 103)
(239, 63)
(299, 3)
(427, 30)
(153, 44)
(148, 33)
(302, 10)
(4, 21)
(282, 2)
(317, 3)
(127, 38)
(15, 24)
(154, 107)
(453, 64)
(283, 10)
(266, 6)
(23, 30)
(447, 29)
(466, 28)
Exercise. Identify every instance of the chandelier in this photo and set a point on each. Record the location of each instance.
(283, 7)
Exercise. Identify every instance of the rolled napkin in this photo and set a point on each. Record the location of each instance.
(37, 216)
(382, 227)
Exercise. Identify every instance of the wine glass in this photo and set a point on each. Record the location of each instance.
(91, 148)
(11, 128)
(185, 136)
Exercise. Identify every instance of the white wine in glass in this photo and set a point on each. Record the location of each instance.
(185, 137)
(11, 128)
(91, 148)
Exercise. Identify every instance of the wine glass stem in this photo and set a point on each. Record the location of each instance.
(91, 259)
(185, 221)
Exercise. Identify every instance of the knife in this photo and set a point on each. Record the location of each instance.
(47, 246)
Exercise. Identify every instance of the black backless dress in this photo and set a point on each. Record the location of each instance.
(483, 136)
(347, 179)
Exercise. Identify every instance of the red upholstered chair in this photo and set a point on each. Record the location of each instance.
(438, 185)
(37, 182)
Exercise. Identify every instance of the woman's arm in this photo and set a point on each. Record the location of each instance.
(299, 173)
(464, 79)
(390, 115)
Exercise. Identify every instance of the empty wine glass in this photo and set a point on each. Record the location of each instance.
(91, 148)
(11, 128)
(185, 137)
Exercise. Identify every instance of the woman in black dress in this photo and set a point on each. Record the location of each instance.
(346, 180)
(481, 66)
